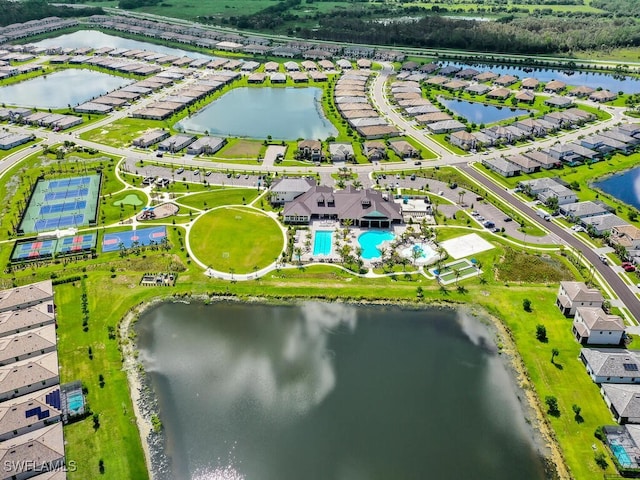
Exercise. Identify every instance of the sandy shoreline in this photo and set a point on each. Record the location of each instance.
(548, 446)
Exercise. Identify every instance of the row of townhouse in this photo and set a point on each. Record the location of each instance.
(523, 129)
(233, 42)
(352, 101)
(33, 405)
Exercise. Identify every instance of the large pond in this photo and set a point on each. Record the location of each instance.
(332, 391)
(477, 112)
(59, 89)
(96, 39)
(615, 83)
(624, 186)
(284, 113)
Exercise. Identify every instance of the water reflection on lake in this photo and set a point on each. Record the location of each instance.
(623, 186)
(477, 112)
(607, 81)
(96, 39)
(284, 113)
(332, 391)
(59, 89)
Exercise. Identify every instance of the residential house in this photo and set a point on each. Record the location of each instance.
(29, 413)
(623, 400)
(579, 210)
(26, 376)
(286, 189)
(530, 83)
(602, 96)
(447, 126)
(310, 150)
(611, 365)
(545, 160)
(340, 152)
(477, 89)
(375, 150)
(602, 224)
(627, 236)
(150, 138)
(525, 164)
(501, 166)
(485, 77)
(555, 86)
(581, 91)
(467, 73)
(27, 345)
(20, 298)
(175, 143)
(207, 145)
(505, 80)
(464, 140)
(525, 96)
(593, 326)
(403, 149)
(499, 94)
(33, 453)
(559, 102)
(572, 295)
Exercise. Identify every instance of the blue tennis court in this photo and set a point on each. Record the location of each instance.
(69, 182)
(63, 207)
(112, 242)
(76, 243)
(50, 196)
(33, 250)
(62, 203)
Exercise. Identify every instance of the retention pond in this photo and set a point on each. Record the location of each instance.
(333, 391)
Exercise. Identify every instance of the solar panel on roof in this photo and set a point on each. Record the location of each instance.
(630, 367)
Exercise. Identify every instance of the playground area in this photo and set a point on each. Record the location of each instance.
(53, 247)
(62, 203)
(112, 242)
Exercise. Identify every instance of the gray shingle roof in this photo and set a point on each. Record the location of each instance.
(624, 398)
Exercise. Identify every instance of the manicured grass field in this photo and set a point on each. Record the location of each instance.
(241, 148)
(218, 198)
(236, 239)
(121, 132)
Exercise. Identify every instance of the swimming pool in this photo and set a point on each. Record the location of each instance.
(420, 253)
(622, 455)
(322, 242)
(369, 241)
(75, 402)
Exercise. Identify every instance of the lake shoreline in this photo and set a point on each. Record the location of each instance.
(145, 401)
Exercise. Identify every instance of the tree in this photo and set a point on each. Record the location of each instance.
(541, 333)
(526, 305)
(554, 353)
(419, 291)
(552, 406)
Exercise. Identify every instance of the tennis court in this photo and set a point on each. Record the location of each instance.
(37, 249)
(62, 203)
(112, 242)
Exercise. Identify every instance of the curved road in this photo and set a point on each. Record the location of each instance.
(621, 289)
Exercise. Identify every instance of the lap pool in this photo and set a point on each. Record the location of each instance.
(369, 241)
(322, 241)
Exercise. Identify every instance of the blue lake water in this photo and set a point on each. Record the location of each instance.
(624, 186)
(59, 89)
(284, 113)
(96, 39)
(605, 80)
(328, 391)
(480, 113)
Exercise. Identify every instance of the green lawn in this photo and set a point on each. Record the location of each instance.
(121, 206)
(121, 132)
(237, 239)
(220, 197)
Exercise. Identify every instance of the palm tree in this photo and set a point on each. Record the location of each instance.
(461, 195)
(298, 253)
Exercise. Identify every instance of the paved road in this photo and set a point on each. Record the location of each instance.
(610, 276)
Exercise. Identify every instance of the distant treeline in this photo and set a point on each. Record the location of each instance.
(19, 12)
(533, 34)
(621, 7)
(131, 4)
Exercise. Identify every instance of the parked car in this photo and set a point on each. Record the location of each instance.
(625, 264)
(179, 171)
(196, 172)
(207, 173)
(508, 219)
(604, 260)
(629, 268)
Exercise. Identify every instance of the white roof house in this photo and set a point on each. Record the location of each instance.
(572, 295)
